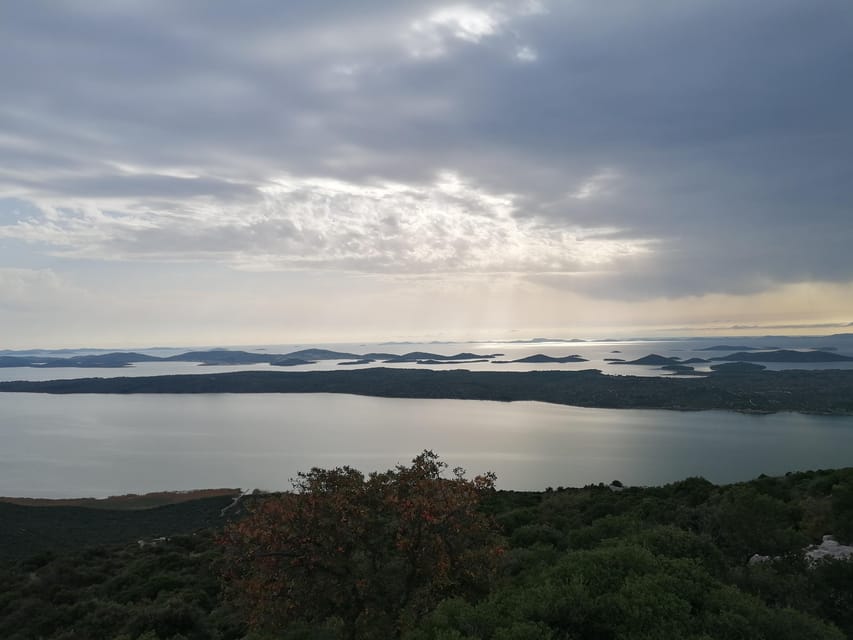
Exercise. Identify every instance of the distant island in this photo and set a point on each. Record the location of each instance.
(728, 347)
(435, 362)
(546, 340)
(107, 360)
(819, 392)
(785, 355)
(217, 357)
(291, 362)
(541, 358)
(416, 356)
(40, 359)
(737, 367)
(678, 368)
(653, 359)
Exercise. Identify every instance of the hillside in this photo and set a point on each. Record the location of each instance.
(592, 562)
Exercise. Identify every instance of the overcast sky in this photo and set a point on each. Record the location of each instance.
(217, 172)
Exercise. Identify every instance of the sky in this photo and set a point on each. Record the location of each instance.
(209, 172)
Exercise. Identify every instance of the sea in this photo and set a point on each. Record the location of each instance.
(101, 445)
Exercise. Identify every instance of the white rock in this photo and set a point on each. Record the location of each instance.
(758, 559)
(828, 548)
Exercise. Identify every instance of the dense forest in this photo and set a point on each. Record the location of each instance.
(822, 392)
(423, 553)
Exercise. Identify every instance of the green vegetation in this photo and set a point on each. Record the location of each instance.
(823, 392)
(28, 530)
(168, 589)
(333, 559)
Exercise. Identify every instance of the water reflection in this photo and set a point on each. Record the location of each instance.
(97, 445)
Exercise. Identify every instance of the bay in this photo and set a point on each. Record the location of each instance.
(100, 445)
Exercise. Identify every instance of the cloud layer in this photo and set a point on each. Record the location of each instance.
(605, 149)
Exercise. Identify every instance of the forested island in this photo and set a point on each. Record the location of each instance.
(422, 553)
(819, 392)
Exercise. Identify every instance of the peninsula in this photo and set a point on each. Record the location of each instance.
(819, 392)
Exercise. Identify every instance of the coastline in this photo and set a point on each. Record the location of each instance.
(824, 392)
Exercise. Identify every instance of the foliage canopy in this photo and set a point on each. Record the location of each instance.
(374, 552)
(637, 564)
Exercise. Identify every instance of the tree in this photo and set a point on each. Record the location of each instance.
(376, 553)
(745, 522)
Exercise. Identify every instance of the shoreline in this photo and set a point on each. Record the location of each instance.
(127, 501)
(818, 392)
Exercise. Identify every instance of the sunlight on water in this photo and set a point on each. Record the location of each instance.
(96, 445)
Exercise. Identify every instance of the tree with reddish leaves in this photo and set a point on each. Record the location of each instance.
(371, 554)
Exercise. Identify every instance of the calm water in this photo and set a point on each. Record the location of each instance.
(98, 445)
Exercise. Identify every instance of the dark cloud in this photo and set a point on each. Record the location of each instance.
(719, 131)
